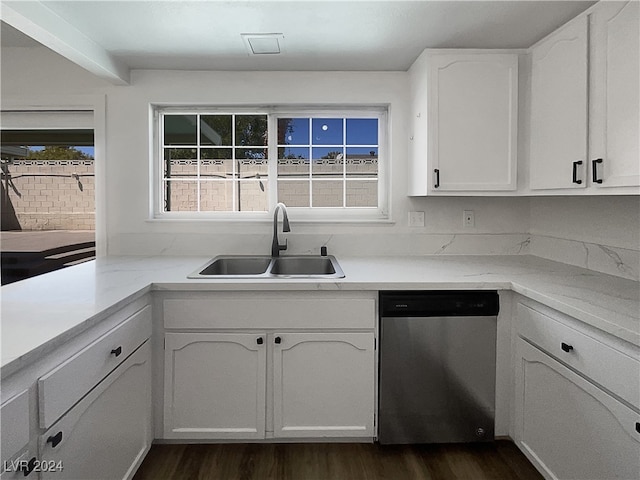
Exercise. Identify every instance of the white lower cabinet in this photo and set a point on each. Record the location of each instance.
(276, 365)
(215, 385)
(107, 433)
(323, 384)
(567, 426)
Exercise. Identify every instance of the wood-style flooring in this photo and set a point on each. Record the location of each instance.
(336, 461)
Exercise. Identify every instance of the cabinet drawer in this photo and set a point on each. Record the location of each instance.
(62, 387)
(568, 427)
(610, 368)
(270, 313)
(14, 418)
(106, 434)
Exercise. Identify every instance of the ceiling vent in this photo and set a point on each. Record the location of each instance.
(263, 43)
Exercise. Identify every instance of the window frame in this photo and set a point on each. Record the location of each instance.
(304, 214)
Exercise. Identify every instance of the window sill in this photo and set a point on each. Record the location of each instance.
(267, 218)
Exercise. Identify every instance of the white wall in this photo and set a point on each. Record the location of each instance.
(39, 71)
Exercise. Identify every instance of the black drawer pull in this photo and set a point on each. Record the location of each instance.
(278, 340)
(575, 172)
(116, 351)
(29, 467)
(54, 440)
(594, 170)
(566, 347)
(259, 341)
(638, 427)
(437, 172)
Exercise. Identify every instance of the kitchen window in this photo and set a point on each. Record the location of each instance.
(237, 164)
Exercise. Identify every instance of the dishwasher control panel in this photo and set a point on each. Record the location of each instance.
(438, 303)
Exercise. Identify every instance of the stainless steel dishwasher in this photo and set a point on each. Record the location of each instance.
(437, 366)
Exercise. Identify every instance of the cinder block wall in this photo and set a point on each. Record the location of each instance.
(326, 184)
(46, 196)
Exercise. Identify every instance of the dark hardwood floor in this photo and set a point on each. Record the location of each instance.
(328, 461)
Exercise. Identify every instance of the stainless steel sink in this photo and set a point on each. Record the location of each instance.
(303, 265)
(235, 266)
(252, 267)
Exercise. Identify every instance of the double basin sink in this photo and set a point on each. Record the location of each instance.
(293, 266)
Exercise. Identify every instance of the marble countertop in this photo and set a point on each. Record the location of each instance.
(40, 313)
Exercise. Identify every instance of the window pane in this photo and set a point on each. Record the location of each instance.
(293, 131)
(216, 196)
(327, 194)
(258, 169)
(294, 193)
(215, 130)
(180, 130)
(362, 193)
(327, 131)
(362, 131)
(293, 162)
(327, 162)
(180, 162)
(362, 162)
(216, 169)
(215, 153)
(251, 130)
(181, 196)
(253, 196)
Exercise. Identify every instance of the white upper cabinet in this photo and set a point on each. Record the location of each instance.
(464, 131)
(559, 106)
(615, 113)
(585, 104)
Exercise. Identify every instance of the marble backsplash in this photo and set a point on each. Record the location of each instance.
(621, 262)
(351, 244)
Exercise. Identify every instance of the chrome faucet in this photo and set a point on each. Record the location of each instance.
(275, 244)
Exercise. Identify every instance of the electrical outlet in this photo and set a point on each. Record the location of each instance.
(468, 218)
(416, 219)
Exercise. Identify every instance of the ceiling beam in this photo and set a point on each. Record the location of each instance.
(34, 19)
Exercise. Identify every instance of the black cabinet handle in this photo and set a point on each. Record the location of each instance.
(29, 467)
(54, 440)
(575, 172)
(566, 347)
(259, 341)
(437, 172)
(116, 351)
(638, 427)
(594, 170)
(278, 340)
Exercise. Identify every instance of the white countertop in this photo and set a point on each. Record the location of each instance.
(40, 313)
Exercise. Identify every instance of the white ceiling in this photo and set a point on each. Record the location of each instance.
(318, 35)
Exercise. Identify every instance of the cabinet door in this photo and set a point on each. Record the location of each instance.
(559, 106)
(215, 385)
(569, 428)
(473, 101)
(615, 114)
(324, 384)
(107, 434)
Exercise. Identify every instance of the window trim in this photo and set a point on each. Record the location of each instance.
(379, 214)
